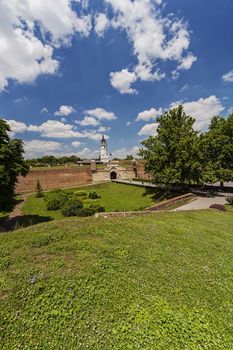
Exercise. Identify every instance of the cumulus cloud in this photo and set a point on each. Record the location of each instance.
(88, 121)
(17, 127)
(44, 110)
(26, 55)
(122, 81)
(123, 152)
(150, 114)
(104, 129)
(76, 144)
(148, 129)
(202, 110)
(36, 148)
(101, 114)
(228, 77)
(54, 129)
(101, 23)
(154, 38)
(65, 110)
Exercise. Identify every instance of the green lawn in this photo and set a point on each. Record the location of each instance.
(114, 197)
(160, 282)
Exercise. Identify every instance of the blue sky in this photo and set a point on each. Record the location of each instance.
(72, 70)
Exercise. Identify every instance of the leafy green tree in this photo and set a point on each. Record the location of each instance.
(217, 149)
(12, 165)
(129, 157)
(172, 155)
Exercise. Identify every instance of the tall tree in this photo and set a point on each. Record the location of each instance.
(12, 165)
(217, 148)
(172, 155)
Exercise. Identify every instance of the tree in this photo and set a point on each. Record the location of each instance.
(217, 148)
(12, 165)
(172, 155)
(39, 190)
(129, 157)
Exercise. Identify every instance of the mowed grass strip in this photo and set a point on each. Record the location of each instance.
(114, 197)
(158, 282)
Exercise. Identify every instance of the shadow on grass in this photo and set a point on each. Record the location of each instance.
(12, 224)
(159, 194)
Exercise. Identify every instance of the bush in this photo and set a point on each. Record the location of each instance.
(98, 208)
(72, 207)
(218, 207)
(86, 212)
(230, 200)
(81, 193)
(94, 195)
(56, 199)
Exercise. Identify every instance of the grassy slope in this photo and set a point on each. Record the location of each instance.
(114, 197)
(158, 282)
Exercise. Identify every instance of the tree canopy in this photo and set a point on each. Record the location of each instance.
(12, 165)
(179, 155)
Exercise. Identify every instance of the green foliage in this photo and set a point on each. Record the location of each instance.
(72, 207)
(12, 165)
(85, 212)
(93, 195)
(217, 150)
(162, 282)
(52, 161)
(56, 199)
(172, 155)
(98, 208)
(39, 190)
(41, 241)
(230, 200)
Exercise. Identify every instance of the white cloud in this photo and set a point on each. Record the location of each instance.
(88, 121)
(25, 55)
(154, 37)
(123, 152)
(228, 77)
(150, 114)
(36, 148)
(101, 114)
(76, 144)
(148, 129)
(104, 129)
(123, 80)
(16, 127)
(65, 110)
(202, 110)
(88, 154)
(44, 110)
(101, 23)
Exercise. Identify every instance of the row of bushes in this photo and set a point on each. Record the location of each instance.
(69, 204)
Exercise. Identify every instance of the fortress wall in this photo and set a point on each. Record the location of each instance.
(54, 178)
(141, 174)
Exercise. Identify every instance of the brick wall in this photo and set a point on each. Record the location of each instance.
(141, 174)
(54, 178)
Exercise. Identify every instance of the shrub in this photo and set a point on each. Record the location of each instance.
(85, 212)
(98, 208)
(94, 195)
(39, 190)
(218, 207)
(72, 207)
(56, 199)
(41, 241)
(230, 200)
(81, 193)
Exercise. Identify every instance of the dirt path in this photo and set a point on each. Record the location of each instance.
(202, 203)
(14, 216)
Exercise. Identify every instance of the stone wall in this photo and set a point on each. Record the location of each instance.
(54, 178)
(141, 174)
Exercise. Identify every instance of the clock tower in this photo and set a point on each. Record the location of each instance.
(104, 150)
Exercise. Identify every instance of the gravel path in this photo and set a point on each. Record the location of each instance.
(13, 218)
(203, 203)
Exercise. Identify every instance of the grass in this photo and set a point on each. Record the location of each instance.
(114, 197)
(158, 282)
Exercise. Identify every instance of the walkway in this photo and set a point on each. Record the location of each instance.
(11, 221)
(203, 203)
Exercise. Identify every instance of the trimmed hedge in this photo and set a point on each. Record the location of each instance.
(72, 207)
